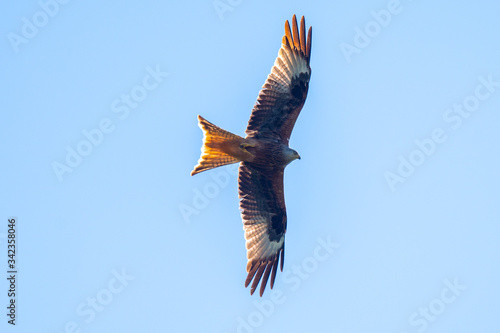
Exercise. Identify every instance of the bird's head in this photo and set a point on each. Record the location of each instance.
(291, 155)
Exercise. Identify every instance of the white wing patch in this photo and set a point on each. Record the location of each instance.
(289, 64)
(258, 245)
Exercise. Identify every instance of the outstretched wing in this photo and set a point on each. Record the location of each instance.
(262, 205)
(285, 90)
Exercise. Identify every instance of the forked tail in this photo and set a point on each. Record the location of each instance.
(218, 149)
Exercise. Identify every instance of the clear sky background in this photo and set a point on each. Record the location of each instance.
(393, 211)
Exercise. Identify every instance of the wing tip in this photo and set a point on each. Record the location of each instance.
(309, 44)
(297, 38)
(260, 271)
(288, 34)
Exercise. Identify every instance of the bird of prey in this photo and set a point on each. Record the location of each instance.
(264, 153)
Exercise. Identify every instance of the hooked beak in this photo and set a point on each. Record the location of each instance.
(298, 157)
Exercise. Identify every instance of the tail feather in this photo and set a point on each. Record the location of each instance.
(216, 145)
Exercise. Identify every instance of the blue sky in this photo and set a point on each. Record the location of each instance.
(393, 218)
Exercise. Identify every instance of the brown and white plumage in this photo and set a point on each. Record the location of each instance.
(262, 205)
(264, 154)
(284, 92)
(262, 197)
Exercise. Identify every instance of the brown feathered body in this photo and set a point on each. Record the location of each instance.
(222, 147)
(264, 154)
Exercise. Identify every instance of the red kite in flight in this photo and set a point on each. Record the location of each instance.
(264, 154)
